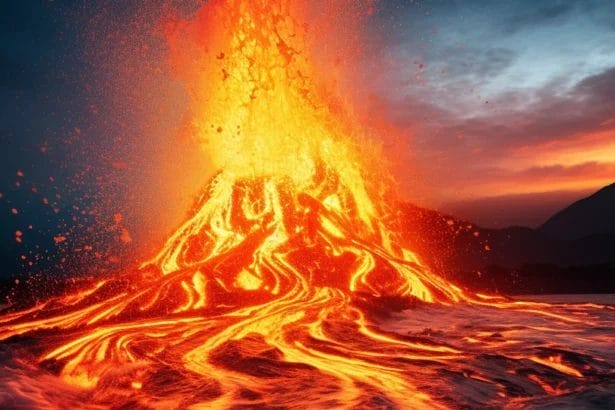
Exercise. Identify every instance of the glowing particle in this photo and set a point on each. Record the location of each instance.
(119, 165)
(125, 236)
(117, 218)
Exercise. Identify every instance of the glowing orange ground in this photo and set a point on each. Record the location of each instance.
(269, 294)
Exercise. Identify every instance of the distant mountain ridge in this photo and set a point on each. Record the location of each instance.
(589, 216)
(568, 254)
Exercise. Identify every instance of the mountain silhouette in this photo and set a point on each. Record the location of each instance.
(593, 215)
(574, 252)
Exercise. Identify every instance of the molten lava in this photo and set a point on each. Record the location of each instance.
(266, 295)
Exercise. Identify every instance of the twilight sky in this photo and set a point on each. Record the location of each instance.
(507, 112)
(502, 99)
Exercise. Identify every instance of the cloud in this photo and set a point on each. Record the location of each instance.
(473, 63)
(498, 98)
(553, 138)
(495, 181)
(550, 114)
(531, 17)
(555, 173)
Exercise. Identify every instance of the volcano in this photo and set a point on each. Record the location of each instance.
(284, 286)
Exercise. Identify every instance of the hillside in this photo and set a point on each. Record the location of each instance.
(516, 259)
(589, 216)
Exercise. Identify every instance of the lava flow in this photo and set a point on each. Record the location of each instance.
(271, 294)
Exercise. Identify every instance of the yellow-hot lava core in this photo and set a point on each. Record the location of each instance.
(257, 107)
(291, 173)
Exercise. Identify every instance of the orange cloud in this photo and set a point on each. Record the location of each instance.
(597, 146)
(536, 179)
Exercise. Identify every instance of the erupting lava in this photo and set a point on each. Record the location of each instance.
(266, 295)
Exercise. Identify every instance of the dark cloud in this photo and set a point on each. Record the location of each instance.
(601, 12)
(600, 86)
(557, 114)
(531, 17)
(474, 63)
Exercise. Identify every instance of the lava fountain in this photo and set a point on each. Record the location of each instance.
(268, 295)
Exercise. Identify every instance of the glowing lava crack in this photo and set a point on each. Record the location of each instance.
(267, 294)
